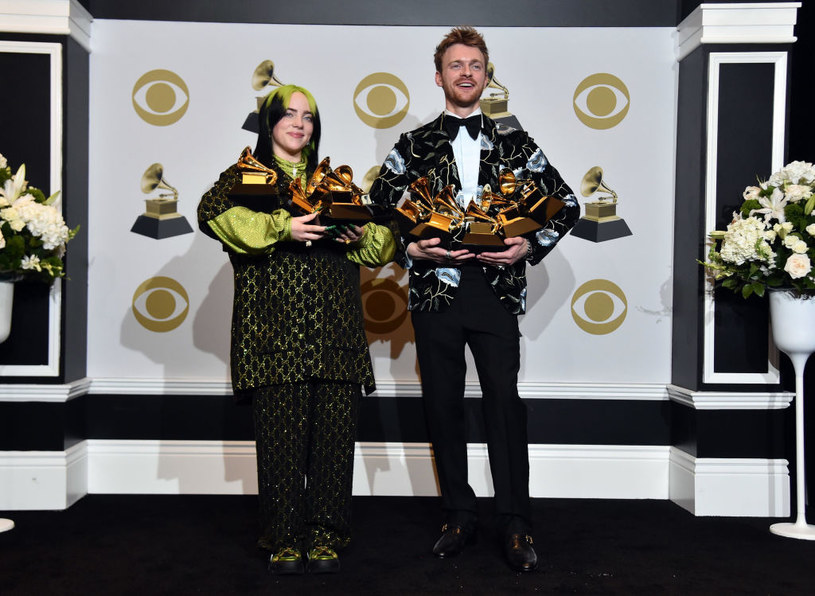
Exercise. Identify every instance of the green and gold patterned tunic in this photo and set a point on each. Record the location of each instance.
(297, 312)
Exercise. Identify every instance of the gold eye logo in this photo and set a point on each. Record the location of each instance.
(381, 100)
(601, 101)
(160, 97)
(160, 304)
(385, 305)
(599, 307)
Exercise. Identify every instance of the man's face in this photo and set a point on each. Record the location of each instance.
(463, 77)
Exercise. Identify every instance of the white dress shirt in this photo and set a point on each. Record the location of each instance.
(467, 153)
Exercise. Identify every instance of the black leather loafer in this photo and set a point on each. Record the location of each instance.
(286, 561)
(453, 540)
(520, 553)
(322, 559)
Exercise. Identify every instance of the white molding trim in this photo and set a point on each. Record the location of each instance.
(716, 59)
(158, 386)
(734, 487)
(26, 392)
(730, 400)
(754, 22)
(530, 390)
(42, 480)
(51, 368)
(730, 487)
(54, 17)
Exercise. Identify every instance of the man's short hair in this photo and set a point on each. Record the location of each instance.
(463, 35)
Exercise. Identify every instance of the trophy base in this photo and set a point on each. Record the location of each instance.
(161, 228)
(483, 243)
(241, 189)
(252, 123)
(424, 231)
(600, 231)
(349, 212)
(506, 123)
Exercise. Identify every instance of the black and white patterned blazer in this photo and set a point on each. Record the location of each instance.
(426, 151)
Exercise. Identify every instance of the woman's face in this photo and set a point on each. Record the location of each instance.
(293, 131)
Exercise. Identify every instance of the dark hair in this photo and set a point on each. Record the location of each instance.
(272, 111)
(463, 35)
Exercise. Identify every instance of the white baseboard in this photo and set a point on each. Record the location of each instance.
(730, 487)
(42, 480)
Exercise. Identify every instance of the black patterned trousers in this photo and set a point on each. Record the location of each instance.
(305, 435)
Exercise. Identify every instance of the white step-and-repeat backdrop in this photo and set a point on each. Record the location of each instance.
(169, 103)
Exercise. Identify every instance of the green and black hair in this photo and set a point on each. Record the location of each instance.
(272, 111)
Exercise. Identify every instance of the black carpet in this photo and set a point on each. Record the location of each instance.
(205, 545)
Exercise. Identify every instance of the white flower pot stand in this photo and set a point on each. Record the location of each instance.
(793, 322)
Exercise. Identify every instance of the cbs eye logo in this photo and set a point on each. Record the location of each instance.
(160, 304)
(381, 100)
(601, 101)
(384, 302)
(161, 97)
(599, 307)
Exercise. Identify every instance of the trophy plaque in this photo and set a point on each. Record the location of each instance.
(518, 208)
(256, 179)
(333, 194)
(601, 221)
(160, 218)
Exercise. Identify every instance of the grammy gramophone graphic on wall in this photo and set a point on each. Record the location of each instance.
(160, 218)
(262, 77)
(601, 221)
(496, 106)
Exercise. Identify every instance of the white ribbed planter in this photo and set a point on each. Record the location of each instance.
(793, 322)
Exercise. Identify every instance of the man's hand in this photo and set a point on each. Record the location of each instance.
(429, 250)
(515, 251)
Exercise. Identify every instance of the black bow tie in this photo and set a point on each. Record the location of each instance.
(452, 125)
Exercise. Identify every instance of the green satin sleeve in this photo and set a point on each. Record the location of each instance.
(248, 232)
(375, 249)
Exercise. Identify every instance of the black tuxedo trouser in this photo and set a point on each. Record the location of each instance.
(475, 318)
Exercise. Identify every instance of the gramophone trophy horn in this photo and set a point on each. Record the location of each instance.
(593, 181)
(253, 171)
(496, 105)
(153, 178)
(601, 221)
(264, 75)
(493, 83)
(160, 218)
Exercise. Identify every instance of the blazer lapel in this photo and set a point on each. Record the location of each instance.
(490, 156)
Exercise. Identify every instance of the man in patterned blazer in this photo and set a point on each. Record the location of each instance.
(459, 298)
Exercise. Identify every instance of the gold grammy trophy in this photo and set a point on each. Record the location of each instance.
(496, 106)
(601, 221)
(161, 218)
(262, 77)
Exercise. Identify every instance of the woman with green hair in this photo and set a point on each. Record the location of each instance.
(299, 353)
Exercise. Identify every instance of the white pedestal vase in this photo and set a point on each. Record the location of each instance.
(793, 323)
(6, 303)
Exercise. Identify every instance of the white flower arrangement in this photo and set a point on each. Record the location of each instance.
(770, 243)
(33, 233)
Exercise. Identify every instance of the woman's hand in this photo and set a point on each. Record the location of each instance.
(347, 233)
(302, 230)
